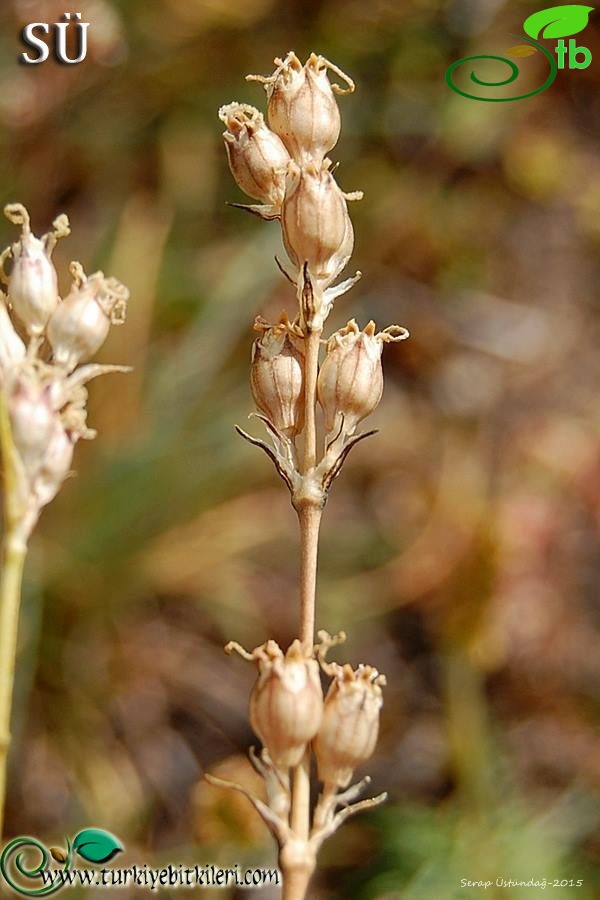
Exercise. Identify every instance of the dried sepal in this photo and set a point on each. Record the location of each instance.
(277, 783)
(276, 825)
(282, 452)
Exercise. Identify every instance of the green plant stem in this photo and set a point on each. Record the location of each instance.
(14, 552)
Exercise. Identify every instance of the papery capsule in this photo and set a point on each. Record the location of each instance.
(80, 324)
(315, 222)
(12, 348)
(257, 157)
(286, 703)
(277, 378)
(350, 724)
(301, 106)
(351, 378)
(32, 284)
(55, 465)
(32, 421)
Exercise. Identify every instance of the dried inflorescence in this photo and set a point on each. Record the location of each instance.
(282, 163)
(289, 715)
(43, 385)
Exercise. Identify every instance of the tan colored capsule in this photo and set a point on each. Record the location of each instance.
(32, 283)
(301, 105)
(80, 324)
(55, 466)
(277, 376)
(350, 383)
(12, 348)
(350, 724)
(316, 226)
(257, 157)
(32, 420)
(286, 704)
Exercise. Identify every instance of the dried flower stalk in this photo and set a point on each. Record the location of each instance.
(42, 404)
(283, 164)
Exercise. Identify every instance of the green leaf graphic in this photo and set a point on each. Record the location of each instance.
(558, 21)
(96, 846)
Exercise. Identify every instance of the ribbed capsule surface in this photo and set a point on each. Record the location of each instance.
(32, 421)
(302, 108)
(32, 285)
(80, 324)
(12, 348)
(55, 466)
(350, 724)
(277, 380)
(286, 703)
(315, 222)
(257, 157)
(350, 380)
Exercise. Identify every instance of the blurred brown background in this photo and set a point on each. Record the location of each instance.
(461, 545)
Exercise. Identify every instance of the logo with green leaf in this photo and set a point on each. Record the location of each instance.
(547, 24)
(94, 845)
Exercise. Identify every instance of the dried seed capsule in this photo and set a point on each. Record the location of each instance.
(351, 378)
(32, 421)
(12, 348)
(32, 284)
(286, 702)
(315, 222)
(80, 324)
(350, 724)
(257, 157)
(277, 376)
(350, 381)
(301, 106)
(55, 466)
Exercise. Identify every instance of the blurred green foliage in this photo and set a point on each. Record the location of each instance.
(460, 549)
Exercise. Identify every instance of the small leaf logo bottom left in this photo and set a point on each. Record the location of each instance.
(96, 846)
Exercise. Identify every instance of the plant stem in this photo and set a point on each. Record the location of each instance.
(311, 371)
(309, 518)
(310, 510)
(14, 552)
(295, 883)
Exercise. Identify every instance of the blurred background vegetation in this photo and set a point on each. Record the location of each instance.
(461, 545)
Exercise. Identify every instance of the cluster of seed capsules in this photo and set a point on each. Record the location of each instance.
(282, 163)
(43, 342)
